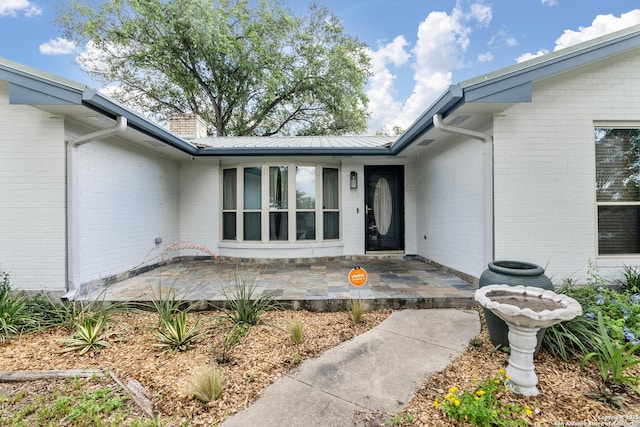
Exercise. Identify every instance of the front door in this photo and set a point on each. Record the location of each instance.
(384, 198)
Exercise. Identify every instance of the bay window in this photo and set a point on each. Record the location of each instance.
(258, 203)
(618, 189)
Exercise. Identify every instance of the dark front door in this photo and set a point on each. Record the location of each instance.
(384, 198)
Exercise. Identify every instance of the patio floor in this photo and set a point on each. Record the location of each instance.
(316, 285)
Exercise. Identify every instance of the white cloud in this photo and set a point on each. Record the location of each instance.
(485, 57)
(59, 46)
(550, 2)
(601, 25)
(14, 7)
(443, 39)
(529, 55)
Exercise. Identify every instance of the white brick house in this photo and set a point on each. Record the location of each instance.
(537, 162)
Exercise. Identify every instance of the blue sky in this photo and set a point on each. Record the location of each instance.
(418, 47)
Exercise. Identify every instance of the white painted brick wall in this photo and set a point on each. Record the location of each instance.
(448, 193)
(545, 167)
(32, 197)
(128, 196)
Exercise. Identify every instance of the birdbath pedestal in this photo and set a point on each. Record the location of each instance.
(526, 309)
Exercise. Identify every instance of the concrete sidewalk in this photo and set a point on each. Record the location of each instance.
(378, 371)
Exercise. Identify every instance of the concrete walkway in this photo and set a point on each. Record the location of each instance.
(378, 371)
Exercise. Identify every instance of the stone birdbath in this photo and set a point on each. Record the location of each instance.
(526, 309)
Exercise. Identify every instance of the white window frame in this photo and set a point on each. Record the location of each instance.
(291, 209)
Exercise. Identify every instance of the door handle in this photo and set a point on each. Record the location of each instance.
(367, 208)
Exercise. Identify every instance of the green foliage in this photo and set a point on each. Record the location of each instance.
(631, 281)
(244, 305)
(356, 310)
(15, 316)
(175, 335)
(405, 418)
(247, 68)
(166, 304)
(612, 360)
(89, 335)
(487, 405)
(232, 338)
(206, 384)
(296, 331)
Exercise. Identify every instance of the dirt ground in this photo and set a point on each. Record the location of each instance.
(268, 352)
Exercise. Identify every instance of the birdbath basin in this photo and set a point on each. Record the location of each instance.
(526, 309)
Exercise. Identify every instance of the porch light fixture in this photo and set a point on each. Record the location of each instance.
(353, 182)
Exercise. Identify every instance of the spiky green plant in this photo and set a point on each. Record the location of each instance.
(175, 335)
(243, 305)
(206, 384)
(15, 316)
(356, 310)
(89, 335)
(232, 338)
(296, 331)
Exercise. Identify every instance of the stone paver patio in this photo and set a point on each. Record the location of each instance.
(317, 285)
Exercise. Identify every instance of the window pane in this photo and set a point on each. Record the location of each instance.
(305, 187)
(330, 188)
(229, 192)
(252, 187)
(229, 225)
(306, 225)
(331, 225)
(618, 230)
(252, 226)
(278, 187)
(617, 164)
(278, 226)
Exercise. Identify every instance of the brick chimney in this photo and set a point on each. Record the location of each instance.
(187, 126)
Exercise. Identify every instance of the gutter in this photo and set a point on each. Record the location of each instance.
(73, 205)
(487, 180)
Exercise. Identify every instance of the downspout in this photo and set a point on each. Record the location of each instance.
(487, 180)
(73, 204)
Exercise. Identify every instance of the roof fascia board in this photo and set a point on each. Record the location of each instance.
(484, 89)
(289, 151)
(448, 102)
(93, 99)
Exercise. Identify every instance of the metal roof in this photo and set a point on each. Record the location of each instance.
(505, 86)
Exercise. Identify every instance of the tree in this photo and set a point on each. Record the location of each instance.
(246, 67)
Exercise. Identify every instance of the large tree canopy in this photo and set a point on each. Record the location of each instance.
(246, 67)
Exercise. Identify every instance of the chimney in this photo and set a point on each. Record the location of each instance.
(187, 126)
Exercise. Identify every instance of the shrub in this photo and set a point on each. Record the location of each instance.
(89, 336)
(175, 335)
(485, 405)
(206, 384)
(15, 316)
(244, 305)
(356, 310)
(631, 281)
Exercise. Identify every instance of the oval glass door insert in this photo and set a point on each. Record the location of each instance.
(382, 207)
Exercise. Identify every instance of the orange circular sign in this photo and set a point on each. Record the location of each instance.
(358, 276)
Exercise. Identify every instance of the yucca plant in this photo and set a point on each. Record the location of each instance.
(243, 305)
(232, 338)
(206, 384)
(175, 335)
(15, 316)
(89, 335)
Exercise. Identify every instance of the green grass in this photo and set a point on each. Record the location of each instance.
(75, 402)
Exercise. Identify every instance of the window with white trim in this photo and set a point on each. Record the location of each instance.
(280, 202)
(618, 190)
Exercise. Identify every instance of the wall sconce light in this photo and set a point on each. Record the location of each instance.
(353, 182)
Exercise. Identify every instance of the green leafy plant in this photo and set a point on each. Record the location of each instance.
(405, 418)
(487, 405)
(244, 306)
(89, 335)
(296, 331)
(206, 384)
(166, 304)
(15, 316)
(230, 339)
(356, 310)
(631, 281)
(175, 335)
(612, 360)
